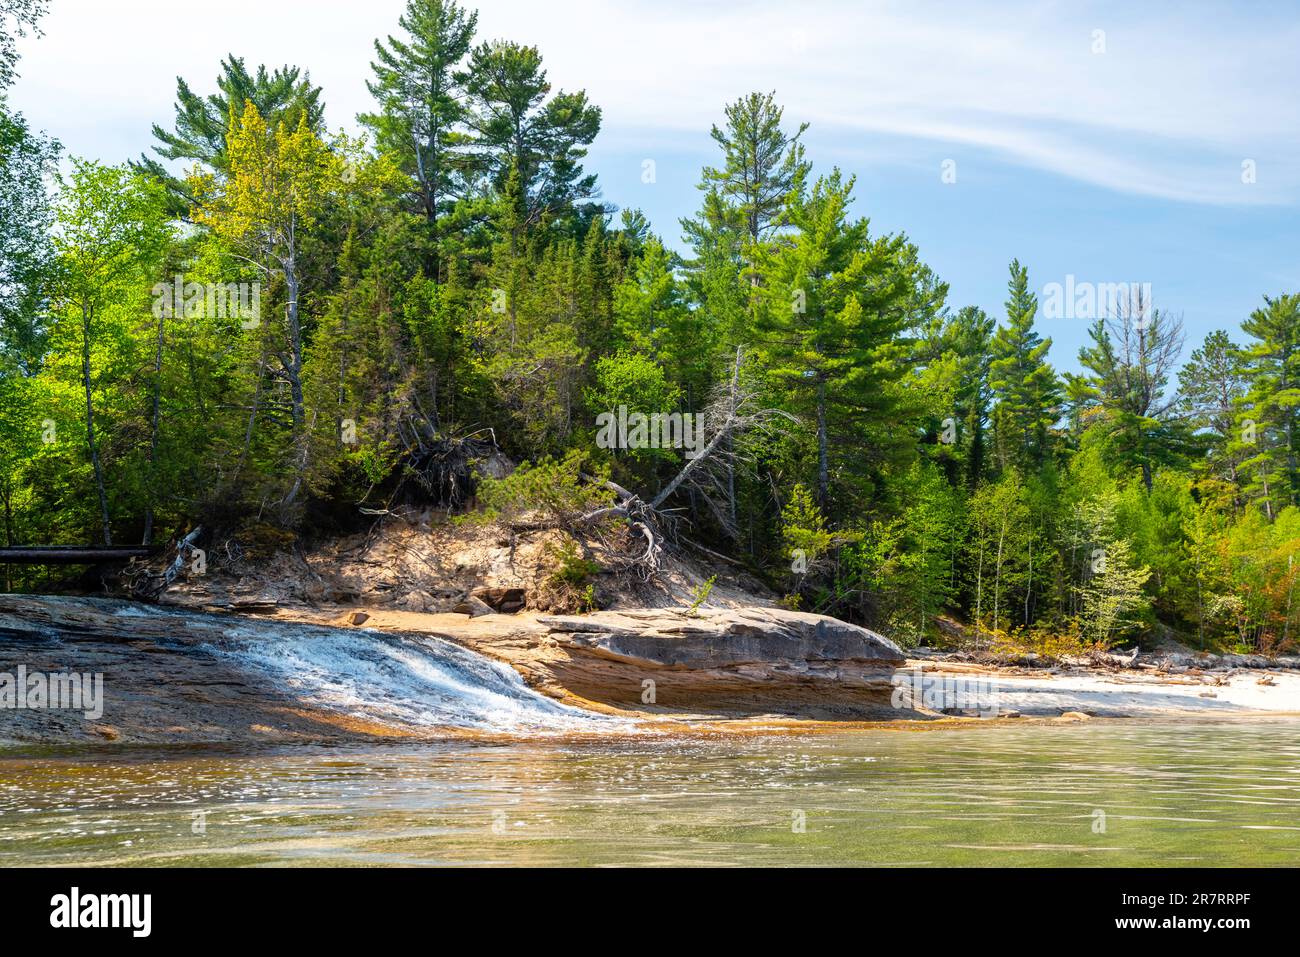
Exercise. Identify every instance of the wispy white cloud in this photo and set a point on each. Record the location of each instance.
(1182, 94)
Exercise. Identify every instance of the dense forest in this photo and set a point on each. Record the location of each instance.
(294, 327)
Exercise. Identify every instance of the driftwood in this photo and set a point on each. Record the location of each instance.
(72, 554)
(145, 586)
(733, 410)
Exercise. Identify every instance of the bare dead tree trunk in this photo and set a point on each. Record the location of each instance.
(293, 372)
(691, 465)
(87, 311)
(823, 450)
(731, 412)
(731, 468)
(153, 431)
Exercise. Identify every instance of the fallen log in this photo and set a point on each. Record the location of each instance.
(149, 587)
(73, 554)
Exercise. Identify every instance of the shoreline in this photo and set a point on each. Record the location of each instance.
(167, 685)
(1221, 687)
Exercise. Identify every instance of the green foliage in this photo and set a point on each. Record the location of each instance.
(110, 245)
(571, 568)
(285, 96)
(1268, 435)
(568, 587)
(999, 550)
(954, 356)
(1026, 387)
(804, 535)
(763, 165)
(833, 312)
(518, 126)
(633, 380)
(1113, 593)
(420, 90)
(1211, 386)
(17, 17)
(459, 276)
(1135, 422)
(26, 249)
(638, 383)
(700, 595)
(549, 492)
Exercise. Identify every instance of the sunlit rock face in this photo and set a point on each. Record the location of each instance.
(719, 639)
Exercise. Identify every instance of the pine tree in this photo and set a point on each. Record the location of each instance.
(1024, 384)
(421, 95)
(1212, 385)
(646, 301)
(286, 96)
(762, 165)
(745, 204)
(1132, 359)
(833, 310)
(956, 348)
(1267, 423)
(519, 126)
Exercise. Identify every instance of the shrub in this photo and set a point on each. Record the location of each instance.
(701, 595)
(549, 493)
(571, 568)
(567, 588)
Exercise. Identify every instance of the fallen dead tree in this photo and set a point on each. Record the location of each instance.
(732, 411)
(145, 585)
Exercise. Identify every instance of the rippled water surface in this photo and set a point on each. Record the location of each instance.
(1105, 793)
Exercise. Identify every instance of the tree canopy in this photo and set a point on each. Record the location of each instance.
(271, 323)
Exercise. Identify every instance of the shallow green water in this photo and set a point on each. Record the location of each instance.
(1197, 793)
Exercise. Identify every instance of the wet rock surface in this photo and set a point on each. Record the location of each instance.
(161, 683)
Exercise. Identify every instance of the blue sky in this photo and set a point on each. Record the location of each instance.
(1093, 140)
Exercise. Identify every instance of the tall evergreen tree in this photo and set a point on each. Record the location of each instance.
(202, 122)
(1132, 359)
(1025, 385)
(1211, 387)
(518, 125)
(762, 165)
(420, 90)
(964, 339)
(833, 311)
(1267, 423)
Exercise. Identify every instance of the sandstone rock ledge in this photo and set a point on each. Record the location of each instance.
(168, 676)
(720, 662)
(721, 639)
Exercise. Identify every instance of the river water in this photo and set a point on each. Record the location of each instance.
(1106, 793)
